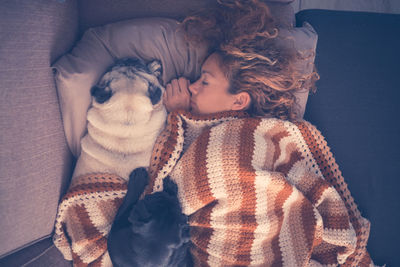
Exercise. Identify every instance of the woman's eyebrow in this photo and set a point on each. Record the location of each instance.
(207, 72)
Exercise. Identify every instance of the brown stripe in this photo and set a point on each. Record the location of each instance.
(163, 149)
(201, 177)
(326, 253)
(84, 190)
(276, 140)
(89, 230)
(249, 199)
(317, 188)
(270, 153)
(201, 232)
(230, 154)
(309, 222)
(334, 215)
(77, 260)
(306, 230)
(281, 197)
(294, 156)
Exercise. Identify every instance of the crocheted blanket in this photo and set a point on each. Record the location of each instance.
(260, 192)
(85, 217)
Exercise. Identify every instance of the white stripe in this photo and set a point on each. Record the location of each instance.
(215, 172)
(345, 238)
(262, 180)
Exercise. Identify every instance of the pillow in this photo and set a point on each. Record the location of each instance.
(146, 38)
(304, 40)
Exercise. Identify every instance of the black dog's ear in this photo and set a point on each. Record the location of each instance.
(138, 180)
(100, 94)
(170, 186)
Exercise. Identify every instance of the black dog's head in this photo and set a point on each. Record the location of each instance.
(160, 232)
(152, 231)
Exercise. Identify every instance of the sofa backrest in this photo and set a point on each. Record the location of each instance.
(35, 162)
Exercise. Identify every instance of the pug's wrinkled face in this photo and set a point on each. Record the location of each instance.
(129, 92)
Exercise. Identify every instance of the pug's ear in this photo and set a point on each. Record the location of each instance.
(100, 94)
(155, 67)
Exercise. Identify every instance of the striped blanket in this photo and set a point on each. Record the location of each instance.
(259, 192)
(85, 217)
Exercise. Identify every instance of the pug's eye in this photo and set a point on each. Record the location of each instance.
(100, 94)
(154, 94)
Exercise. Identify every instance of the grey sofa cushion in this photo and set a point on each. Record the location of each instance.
(356, 107)
(41, 254)
(35, 162)
(99, 12)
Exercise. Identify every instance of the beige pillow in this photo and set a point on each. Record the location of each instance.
(147, 38)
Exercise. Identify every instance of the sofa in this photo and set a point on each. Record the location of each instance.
(355, 107)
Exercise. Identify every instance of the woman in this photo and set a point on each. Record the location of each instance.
(259, 187)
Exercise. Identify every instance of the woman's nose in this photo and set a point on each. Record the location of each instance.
(193, 88)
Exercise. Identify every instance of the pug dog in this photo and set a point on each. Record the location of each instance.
(124, 120)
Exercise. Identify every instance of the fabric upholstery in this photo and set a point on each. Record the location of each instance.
(357, 58)
(40, 254)
(35, 162)
(107, 11)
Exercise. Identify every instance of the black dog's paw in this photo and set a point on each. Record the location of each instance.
(170, 186)
(138, 180)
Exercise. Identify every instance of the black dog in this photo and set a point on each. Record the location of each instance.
(151, 231)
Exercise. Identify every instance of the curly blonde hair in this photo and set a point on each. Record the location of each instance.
(244, 35)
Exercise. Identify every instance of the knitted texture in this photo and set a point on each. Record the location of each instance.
(259, 192)
(85, 217)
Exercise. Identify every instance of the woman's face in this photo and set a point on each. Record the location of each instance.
(210, 92)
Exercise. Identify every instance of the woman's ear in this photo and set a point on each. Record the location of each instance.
(242, 101)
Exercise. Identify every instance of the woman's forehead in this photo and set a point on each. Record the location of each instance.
(211, 66)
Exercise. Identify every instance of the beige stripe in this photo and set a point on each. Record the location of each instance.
(108, 209)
